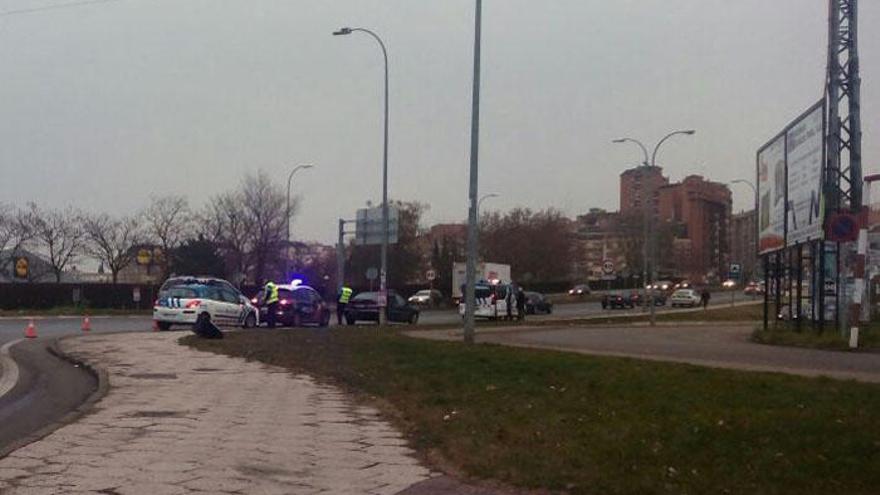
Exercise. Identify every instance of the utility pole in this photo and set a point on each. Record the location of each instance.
(471, 271)
(843, 168)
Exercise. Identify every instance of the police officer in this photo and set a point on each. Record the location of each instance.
(343, 297)
(270, 298)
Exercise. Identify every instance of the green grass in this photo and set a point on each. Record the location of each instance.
(830, 338)
(595, 425)
(73, 311)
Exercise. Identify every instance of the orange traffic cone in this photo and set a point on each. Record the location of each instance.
(87, 324)
(31, 330)
(155, 326)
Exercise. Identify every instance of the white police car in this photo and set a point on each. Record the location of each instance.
(185, 300)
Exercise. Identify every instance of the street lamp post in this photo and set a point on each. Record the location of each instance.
(471, 271)
(383, 274)
(484, 198)
(650, 244)
(287, 209)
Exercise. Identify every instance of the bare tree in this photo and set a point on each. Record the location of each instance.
(223, 222)
(264, 208)
(112, 240)
(167, 222)
(14, 232)
(58, 234)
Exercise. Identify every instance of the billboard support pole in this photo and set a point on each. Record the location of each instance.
(800, 280)
(766, 260)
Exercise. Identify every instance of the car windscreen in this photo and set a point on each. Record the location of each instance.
(367, 297)
(183, 292)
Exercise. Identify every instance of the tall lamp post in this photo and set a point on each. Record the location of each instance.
(757, 227)
(484, 198)
(649, 235)
(471, 272)
(383, 274)
(287, 209)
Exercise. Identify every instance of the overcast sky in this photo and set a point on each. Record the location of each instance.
(104, 105)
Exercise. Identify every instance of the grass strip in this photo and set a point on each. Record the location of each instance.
(595, 425)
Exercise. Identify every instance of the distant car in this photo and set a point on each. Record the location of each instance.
(298, 305)
(617, 299)
(684, 297)
(426, 298)
(365, 307)
(186, 300)
(537, 303)
(579, 290)
(753, 289)
(684, 284)
(728, 284)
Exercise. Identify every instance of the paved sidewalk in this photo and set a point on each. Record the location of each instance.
(179, 421)
(715, 345)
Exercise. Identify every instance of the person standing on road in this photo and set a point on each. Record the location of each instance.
(520, 303)
(342, 299)
(270, 298)
(704, 297)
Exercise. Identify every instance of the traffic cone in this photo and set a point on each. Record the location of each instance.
(31, 330)
(87, 324)
(155, 326)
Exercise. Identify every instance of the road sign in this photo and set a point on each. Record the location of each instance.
(430, 275)
(368, 226)
(372, 273)
(843, 227)
(735, 268)
(608, 267)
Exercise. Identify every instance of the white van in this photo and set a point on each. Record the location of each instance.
(492, 300)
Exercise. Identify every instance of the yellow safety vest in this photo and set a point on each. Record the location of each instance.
(345, 295)
(271, 293)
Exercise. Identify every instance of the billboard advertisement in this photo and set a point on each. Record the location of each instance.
(771, 196)
(805, 152)
(791, 208)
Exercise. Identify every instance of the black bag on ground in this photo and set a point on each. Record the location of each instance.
(206, 329)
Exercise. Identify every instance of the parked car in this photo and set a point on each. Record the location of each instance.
(365, 307)
(728, 284)
(617, 299)
(579, 290)
(685, 297)
(185, 300)
(298, 305)
(426, 298)
(537, 303)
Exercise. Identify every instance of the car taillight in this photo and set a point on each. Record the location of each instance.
(284, 302)
(253, 300)
(494, 298)
(195, 303)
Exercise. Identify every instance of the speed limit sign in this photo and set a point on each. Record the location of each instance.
(608, 267)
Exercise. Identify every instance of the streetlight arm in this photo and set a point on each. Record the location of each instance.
(656, 148)
(631, 140)
(746, 182)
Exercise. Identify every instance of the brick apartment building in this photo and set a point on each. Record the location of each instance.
(603, 236)
(743, 248)
(634, 186)
(703, 209)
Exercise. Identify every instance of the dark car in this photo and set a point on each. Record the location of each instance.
(298, 305)
(365, 307)
(537, 303)
(637, 299)
(617, 299)
(579, 290)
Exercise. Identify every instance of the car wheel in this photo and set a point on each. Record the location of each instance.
(414, 319)
(296, 321)
(203, 318)
(250, 321)
(163, 325)
(325, 320)
(349, 320)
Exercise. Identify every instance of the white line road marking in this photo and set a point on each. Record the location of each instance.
(8, 368)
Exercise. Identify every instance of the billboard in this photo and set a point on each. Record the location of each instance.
(805, 152)
(791, 208)
(771, 196)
